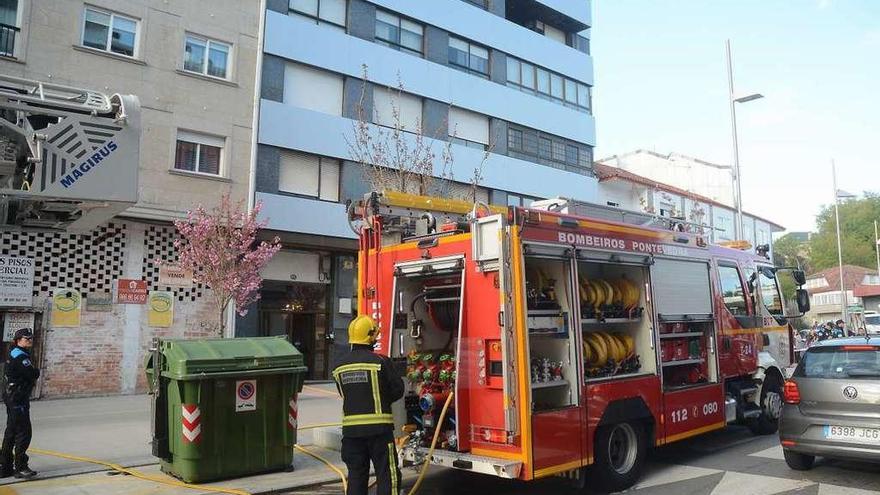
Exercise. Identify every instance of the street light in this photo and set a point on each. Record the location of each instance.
(738, 227)
(838, 195)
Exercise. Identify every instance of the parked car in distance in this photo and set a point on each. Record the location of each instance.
(872, 323)
(830, 403)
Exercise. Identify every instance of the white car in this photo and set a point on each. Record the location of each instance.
(872, 323)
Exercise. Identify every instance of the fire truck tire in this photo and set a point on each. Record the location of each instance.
(771, 407)
(619, 451)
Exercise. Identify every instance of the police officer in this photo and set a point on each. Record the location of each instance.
(20, 376)
(369, 384)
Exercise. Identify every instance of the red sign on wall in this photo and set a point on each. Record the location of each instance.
(130, 291)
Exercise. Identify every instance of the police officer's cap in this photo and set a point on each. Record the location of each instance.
(23, 333)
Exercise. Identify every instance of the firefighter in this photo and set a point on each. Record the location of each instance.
(19, 378)
(368, 383)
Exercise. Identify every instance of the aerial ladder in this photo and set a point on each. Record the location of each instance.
(68, 156)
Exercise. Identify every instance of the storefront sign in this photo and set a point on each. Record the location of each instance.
(14, 321)
(130, 291)
(66, 308)
(161, 309)
(245, 395)
(16, 281)
(99, 301)
(174, 276)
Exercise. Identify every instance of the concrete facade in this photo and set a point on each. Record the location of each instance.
(50, 47)
(679, 186)
(300, 47)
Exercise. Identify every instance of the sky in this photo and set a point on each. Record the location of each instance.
(661, 84)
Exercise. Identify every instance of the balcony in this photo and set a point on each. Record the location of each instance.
(8, 35)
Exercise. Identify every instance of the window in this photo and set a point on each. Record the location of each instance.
(309, 175)
(770, 291)
(544, 146)
(387, 102)
(109, 32)
(732, 290)
(199, 153)
(325, 12)
(536, 80)
(468, 56)
(398, 33)
(8, 27)
(585, 157)
(513, 71)
(554, 33)
(580, 43)
(841, 362)
(571, 154)
(469, 128)
(313, 89)
(519, 200)
(205, 56)
(556, 86)
(558, 153)
(515, 139)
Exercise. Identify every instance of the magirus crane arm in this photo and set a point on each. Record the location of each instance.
(68, 156)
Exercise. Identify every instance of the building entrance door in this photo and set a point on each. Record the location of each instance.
(298, 311)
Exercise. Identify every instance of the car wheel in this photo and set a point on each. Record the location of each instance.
(797, 461)
(771, 408)
(619, 452)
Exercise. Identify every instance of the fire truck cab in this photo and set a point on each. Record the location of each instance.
(570, 344)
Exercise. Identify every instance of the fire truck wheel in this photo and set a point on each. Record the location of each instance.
(771, 407)
(620, 455)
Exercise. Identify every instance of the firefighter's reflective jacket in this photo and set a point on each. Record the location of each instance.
(369, 383)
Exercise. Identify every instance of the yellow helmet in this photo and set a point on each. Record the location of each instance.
(362, 330)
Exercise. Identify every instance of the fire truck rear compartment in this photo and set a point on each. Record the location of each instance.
(426, 327)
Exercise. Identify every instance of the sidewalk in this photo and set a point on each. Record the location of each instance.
(117, 429)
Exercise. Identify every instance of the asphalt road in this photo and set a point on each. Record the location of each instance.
(731, 462)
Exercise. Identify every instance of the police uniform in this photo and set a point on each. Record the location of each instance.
(20, 377)
(369, 384)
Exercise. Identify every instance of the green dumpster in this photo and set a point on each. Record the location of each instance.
(224, 408)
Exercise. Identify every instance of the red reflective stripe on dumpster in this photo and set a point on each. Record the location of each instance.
(292, 413)
(191, 419)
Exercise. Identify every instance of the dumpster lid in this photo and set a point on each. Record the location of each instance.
(186, 358)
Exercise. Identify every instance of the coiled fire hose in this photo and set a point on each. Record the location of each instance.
(427, 462)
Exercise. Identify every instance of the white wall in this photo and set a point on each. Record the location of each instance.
(681, 171)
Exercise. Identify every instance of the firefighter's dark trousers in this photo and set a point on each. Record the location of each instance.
(359, 451)
(18, 435)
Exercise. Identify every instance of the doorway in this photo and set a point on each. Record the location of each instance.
(299, 312)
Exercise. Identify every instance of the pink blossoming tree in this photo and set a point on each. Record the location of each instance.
(220, 247)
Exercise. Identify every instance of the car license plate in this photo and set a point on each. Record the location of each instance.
(853, 434)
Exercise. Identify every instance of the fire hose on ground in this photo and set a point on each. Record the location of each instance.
(330, 465)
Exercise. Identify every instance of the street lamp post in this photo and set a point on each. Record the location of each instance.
(877, 247)
(837, 195)
(737, 191)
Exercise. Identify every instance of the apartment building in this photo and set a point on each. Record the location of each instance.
(193, 67)
(625, 190)
(511, 77)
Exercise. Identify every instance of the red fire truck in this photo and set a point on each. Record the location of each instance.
(570, 344)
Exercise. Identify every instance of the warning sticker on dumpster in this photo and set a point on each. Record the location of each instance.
(245, 395)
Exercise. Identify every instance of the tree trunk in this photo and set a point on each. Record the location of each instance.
(222, 318)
